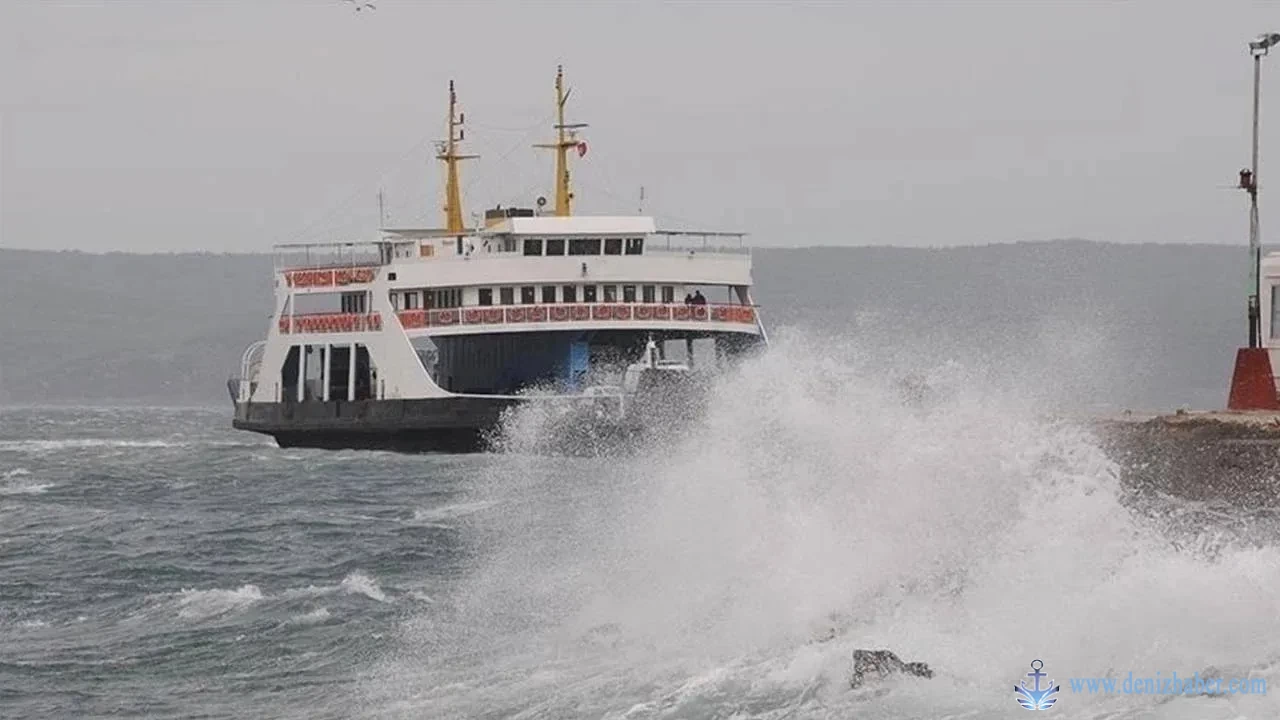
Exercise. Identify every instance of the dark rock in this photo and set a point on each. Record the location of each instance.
(876, 665)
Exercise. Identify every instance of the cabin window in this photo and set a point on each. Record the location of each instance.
(548, 293)
(635, 246)
(411, 301)
(459, 244)
(527, 295)
(555, 246)
(428, 300)
(613, 246)
(395, 301)
(353, 302)
(507, 296)
(448, 298)
(532, 246)
(486, 296)
(584, 246)
(569, 294)
(628, 293)
(589, 293)
(646, 293)
(668, 294)
(508, 244)
(611, 293)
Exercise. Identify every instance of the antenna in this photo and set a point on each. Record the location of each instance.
(566, 138)
(382, 213)
(641, 208)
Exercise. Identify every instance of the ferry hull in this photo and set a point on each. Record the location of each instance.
(459, 424)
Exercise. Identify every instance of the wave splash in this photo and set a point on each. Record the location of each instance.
(817, 508)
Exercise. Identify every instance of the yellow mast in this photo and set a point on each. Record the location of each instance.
(566, 138)
(448, 152)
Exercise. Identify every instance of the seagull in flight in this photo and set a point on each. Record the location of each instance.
(362, 5)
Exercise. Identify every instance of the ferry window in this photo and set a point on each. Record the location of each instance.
(459, 244)
(429, 300)
(411, 301)
(527, 295)
(668, 294)
(548, 293)
(646, 293)
(508, 244)
(635, 246)
(507, 296)
(532, 246)
(555, 246)
(613, 246)
(611, 293)
(628, 293)
(584, 246)
(569, 293)
(486, 296)
(589, 293)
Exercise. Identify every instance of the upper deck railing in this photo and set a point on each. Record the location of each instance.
(477, 245)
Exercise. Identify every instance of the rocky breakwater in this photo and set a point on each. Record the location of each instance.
(1199, 456)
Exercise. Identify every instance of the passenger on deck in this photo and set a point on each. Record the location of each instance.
(688, 299)
(698, 298)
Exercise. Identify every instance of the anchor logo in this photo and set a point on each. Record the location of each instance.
(1035, 698)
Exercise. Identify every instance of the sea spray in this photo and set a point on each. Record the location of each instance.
(815, 508)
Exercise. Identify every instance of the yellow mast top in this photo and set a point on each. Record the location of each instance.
(566, 138)
(447, 150)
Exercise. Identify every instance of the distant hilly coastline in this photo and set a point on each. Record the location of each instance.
(1145, 326)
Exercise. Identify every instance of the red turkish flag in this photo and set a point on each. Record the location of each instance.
(582, 149)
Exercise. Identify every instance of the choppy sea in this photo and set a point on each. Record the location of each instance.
(156, 563)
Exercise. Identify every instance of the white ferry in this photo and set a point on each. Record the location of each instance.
(423, 338)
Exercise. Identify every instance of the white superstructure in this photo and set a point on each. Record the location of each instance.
(551, 301)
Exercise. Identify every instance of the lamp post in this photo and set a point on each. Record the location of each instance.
(1258, 48)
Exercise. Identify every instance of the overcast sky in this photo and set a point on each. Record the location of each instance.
(230, 125)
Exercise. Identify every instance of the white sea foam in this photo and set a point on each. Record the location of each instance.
(203, 604)
(25, 488)
(813, 502)
(357, 583)
(444, 514)
(313, 617)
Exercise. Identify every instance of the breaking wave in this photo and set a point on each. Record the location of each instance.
(816, 507)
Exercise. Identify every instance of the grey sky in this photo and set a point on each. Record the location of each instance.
(183, 125)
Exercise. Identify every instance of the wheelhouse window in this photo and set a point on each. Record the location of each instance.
(611, 293)
(589, 293)
(613, 246)
(548, 293)
(532, 246)
(507, 295)
(584, 246)
(486, 296)
(569, 293)
(527, 296)
(668, 294)
(635, 246)
(646, 293)
(628, 293)
(555, 246)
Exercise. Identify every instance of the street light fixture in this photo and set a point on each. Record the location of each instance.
(1258, 47)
